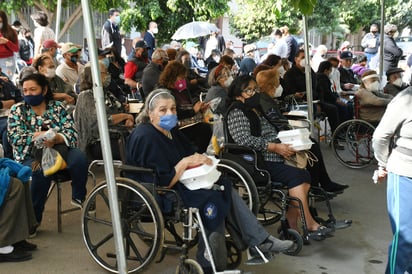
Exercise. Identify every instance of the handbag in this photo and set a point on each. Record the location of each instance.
(301, 159)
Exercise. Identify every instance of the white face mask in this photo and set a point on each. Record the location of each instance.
(50, 73)
(228, 81)
(278, 91)
(281, 71)
(302, 63)
(155, 30)
(374, 86)
(398, 82)
(216, 59)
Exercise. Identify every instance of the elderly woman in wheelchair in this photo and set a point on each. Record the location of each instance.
(270, 89)
(248, 127)
(157, 143)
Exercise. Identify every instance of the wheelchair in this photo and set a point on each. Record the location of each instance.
(143, 222)
(352, 141)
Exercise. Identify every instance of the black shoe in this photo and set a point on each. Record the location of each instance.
(17, 255)
(25, 245)
(217, 245)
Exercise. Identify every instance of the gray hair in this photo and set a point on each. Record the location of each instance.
(151, 103)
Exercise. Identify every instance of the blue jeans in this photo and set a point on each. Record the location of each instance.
(369, 56)
(77, 167)
(399, 192)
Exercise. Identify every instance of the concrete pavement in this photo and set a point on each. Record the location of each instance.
(361, 248)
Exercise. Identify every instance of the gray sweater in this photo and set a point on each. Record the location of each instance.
(396, 122)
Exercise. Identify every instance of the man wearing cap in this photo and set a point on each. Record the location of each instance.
(50, 48)
(152, 71)
(391, 52)
(394, 84)
(347, 76)
(149, 37)
(133, 70)
(70, 69)
(370, 42)
(248, 64)
(111, 31)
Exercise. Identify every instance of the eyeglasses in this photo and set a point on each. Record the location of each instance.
(251, 91)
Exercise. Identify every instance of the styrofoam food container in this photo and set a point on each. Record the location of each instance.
(201, 177)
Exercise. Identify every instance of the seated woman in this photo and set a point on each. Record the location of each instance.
(219, 84)
(270, 89)
(157, 143)
(189, 111)
(327, 95)
(60, 89)
(248, 127)
(372, 101)
(85, 116)
(16, 212)
(33, 117)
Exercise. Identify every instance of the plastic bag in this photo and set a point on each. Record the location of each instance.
(51, 161)
(218, 137)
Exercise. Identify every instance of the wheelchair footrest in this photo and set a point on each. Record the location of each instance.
(256, 260)
(341, 224)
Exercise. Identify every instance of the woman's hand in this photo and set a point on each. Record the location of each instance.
(129, 122)
(285, 150)
(196, 160)
(69, 100)
(3, 40)
(197, 107)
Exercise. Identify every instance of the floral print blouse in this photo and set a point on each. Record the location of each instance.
(23, 123)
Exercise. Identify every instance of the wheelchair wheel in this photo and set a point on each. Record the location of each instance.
(352, 143)
(270, 210)
(189, 266)
(242, 182)
(141, 221)
(294, 236)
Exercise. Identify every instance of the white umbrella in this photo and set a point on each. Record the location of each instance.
(194, 29)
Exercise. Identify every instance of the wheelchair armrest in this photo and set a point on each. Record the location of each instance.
(135, 169)
(235, 148)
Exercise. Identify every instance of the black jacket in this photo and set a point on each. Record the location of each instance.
(391, 53)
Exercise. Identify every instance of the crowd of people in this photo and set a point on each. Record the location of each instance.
(177, 86)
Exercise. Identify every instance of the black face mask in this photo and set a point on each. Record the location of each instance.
(253, 102)
(145, 54)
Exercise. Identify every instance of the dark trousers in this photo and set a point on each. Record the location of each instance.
(77, 167)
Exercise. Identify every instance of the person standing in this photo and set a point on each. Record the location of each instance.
(370, 42)
(291, 42)
(149, 38)
(111, 31)
(9, 44)
(395, 163)
(391, 52)
(42, 32)
(26, 46)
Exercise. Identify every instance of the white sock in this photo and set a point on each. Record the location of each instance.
(6, 249)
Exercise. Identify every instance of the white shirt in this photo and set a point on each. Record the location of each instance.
(280, 48)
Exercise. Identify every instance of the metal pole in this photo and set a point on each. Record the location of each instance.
(381, 40)
(104, 138)
(308, 73)
(58, 18)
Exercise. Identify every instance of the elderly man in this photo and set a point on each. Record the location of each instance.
(151, 72)
(50, 48)
(395, 83)
(71, 68)
(391, 52)
(348, 81)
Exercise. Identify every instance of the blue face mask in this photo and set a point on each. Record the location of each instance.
(117, 20)
(106, 62)
(74, 59)
(34, 100)
(168, 122)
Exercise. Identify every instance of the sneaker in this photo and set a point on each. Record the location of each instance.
(274, 245)
(77, 202)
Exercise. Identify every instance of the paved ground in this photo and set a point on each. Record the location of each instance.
(361, 248)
